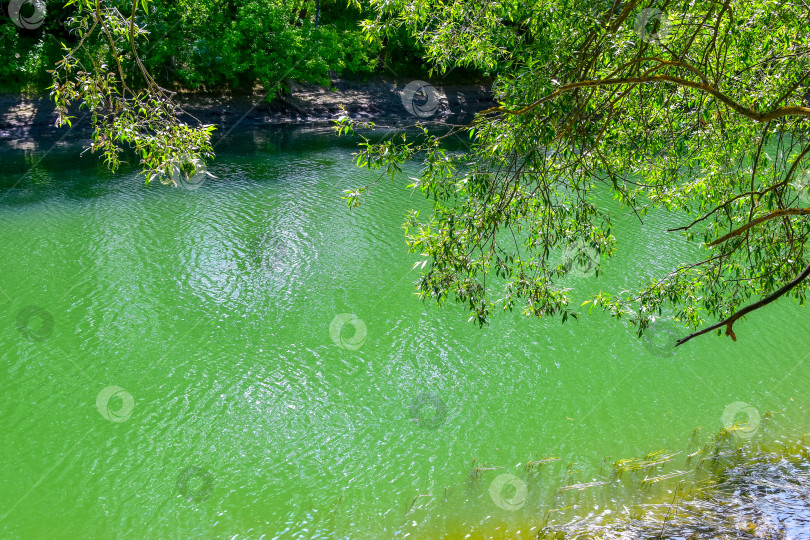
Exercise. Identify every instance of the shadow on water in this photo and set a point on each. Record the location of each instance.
(34, 170)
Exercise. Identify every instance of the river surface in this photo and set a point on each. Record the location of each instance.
(248, 360)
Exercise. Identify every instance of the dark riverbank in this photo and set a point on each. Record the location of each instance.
(379, 100)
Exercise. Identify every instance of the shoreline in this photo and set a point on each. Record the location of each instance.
(379, 100)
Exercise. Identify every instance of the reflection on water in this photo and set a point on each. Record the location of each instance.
(248, 358)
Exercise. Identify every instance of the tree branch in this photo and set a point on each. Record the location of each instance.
(766, 217)
(741, 109)
(729, 322)
(748, 193)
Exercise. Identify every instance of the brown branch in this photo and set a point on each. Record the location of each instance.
(741, 109)
(114, 51)
(587, 62)
(749, 193)
(766, 217)
(729, 322)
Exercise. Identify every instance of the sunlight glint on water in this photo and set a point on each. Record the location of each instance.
(249, 359)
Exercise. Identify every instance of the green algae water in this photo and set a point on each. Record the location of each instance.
(248, 360)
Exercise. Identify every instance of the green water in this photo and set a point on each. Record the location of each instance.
(274, 376)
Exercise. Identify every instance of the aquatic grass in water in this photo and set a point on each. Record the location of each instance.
(649, 461)
(743, 490)
(763, 494)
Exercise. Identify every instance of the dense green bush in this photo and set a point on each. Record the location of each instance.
(197, 44)
(27, 54)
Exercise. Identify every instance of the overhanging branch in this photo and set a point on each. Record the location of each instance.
(766, 217)
(741, 109)
(729, 322)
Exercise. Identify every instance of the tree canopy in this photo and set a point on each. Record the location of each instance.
(699, 108)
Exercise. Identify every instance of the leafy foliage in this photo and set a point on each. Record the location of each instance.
(123, 118)
(238, 42)
(218, 43)
(696, 107)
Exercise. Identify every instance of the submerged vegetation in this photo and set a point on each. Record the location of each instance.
(739, 489)
(757, 492)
